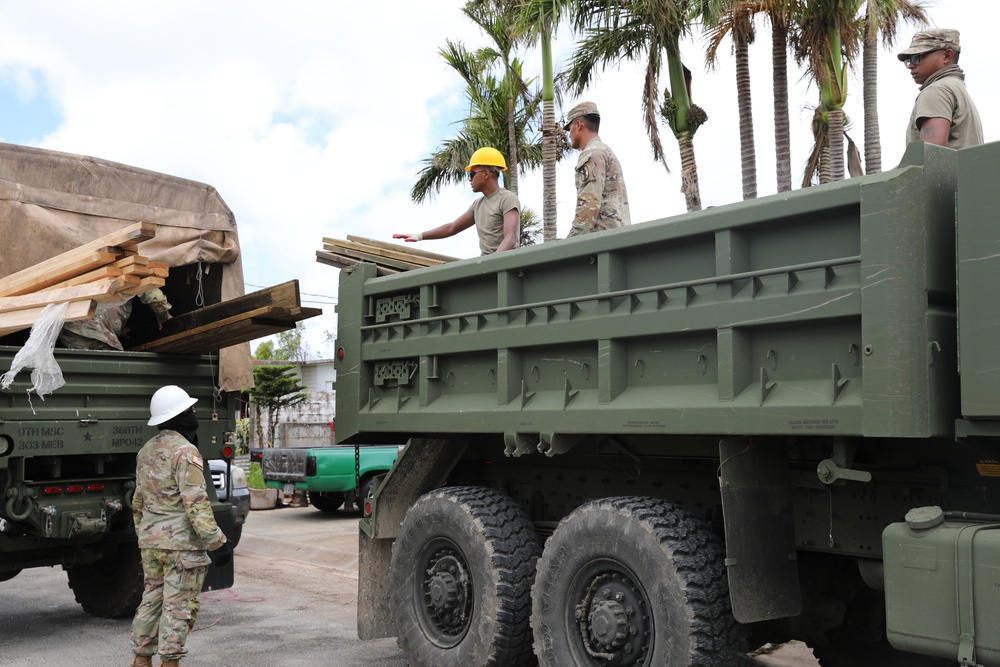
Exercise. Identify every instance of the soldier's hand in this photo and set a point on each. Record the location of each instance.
(410, 238)
(221, 556)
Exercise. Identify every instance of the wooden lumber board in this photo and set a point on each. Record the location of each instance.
(399, 247)
(398, 255)
(381, 260)
(341, 262)
(285, 295)
(56, 270)
(101, 291)
(23, 319)
(41, 275)
(236, 332)
(141, 285)
(159, 269)
(131, 259)
(165, 342)
(102, 273)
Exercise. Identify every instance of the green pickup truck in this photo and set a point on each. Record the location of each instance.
(331, 475)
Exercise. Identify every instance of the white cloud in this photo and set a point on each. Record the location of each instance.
(312, 118)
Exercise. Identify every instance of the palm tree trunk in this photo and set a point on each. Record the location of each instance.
(835, 130)
(873, 142)
(689, 173)
(548, 140)
(782, 144)
(748, 155)
(512, 147)
(824, 164)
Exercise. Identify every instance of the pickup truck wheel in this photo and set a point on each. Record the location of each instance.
(326, 502)
(112, 586)
(461, 575)
(634, 582)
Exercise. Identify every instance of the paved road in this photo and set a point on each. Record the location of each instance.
(294, 604)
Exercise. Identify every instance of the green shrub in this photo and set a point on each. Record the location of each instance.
(255, 478)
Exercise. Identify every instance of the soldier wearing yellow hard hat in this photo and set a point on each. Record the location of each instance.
(496, 215)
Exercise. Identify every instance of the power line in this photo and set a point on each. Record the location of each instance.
(332, 299)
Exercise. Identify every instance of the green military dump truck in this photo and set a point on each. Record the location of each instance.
(664, 444)
(67, 460)
(67, 468)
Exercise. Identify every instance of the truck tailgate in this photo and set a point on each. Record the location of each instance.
(285, 465)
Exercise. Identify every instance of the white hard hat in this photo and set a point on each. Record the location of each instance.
(167, 403)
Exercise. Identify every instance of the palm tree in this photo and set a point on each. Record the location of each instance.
(881, 19)
(827, 40)
(488, 123)
(538, 19)
(735, 18)
(496, 18)
(617, 30)
(780, 14)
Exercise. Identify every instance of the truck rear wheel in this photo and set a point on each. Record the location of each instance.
(633, 582)
(326, 502)
(461, 575)
(112, 586)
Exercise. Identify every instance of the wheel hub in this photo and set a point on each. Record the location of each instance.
(446, 592)
(614, 620)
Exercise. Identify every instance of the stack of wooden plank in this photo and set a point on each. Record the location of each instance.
(388, 257)
(107, 269)
(238, 320)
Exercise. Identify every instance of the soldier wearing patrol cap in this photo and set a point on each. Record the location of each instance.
(601, 197)
(176, 528)
(943, 112)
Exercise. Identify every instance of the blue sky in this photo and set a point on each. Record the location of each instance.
(312, 120)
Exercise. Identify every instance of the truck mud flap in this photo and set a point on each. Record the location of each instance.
(760, 531)
(222, 577)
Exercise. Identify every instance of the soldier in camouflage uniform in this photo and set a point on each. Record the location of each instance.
(175, 525)
(102, 331)
(601, 198)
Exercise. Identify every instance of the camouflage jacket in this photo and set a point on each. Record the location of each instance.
(170, 507)
(601, 198)
(102, 331)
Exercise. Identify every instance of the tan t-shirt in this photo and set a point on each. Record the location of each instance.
(943, 95)
(488, 213)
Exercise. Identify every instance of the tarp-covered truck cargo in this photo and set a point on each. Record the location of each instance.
(675, 440)
(52, 202)
(67, 463)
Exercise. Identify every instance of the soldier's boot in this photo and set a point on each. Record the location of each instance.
(141, 661)
(170, 663)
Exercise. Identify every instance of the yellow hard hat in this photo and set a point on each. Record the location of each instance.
(487, 157)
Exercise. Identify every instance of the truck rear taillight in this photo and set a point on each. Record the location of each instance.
(310, 466)
(95, 487)
(340, 354)
(227, 452)
(51, 490)
(74, 488)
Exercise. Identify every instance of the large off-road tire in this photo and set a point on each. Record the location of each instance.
(640, 579)
(461, 575)
(112, 586)
(326, 502)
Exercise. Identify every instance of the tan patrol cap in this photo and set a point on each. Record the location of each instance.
(932, 40)
(580, 110)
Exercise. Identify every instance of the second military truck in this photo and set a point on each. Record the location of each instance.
(664, 444)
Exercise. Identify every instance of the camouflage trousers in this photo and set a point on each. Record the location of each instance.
(170, 603)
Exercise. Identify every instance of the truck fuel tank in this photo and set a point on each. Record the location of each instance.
(942, 585)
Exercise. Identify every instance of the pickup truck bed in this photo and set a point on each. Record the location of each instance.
(329, 474)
